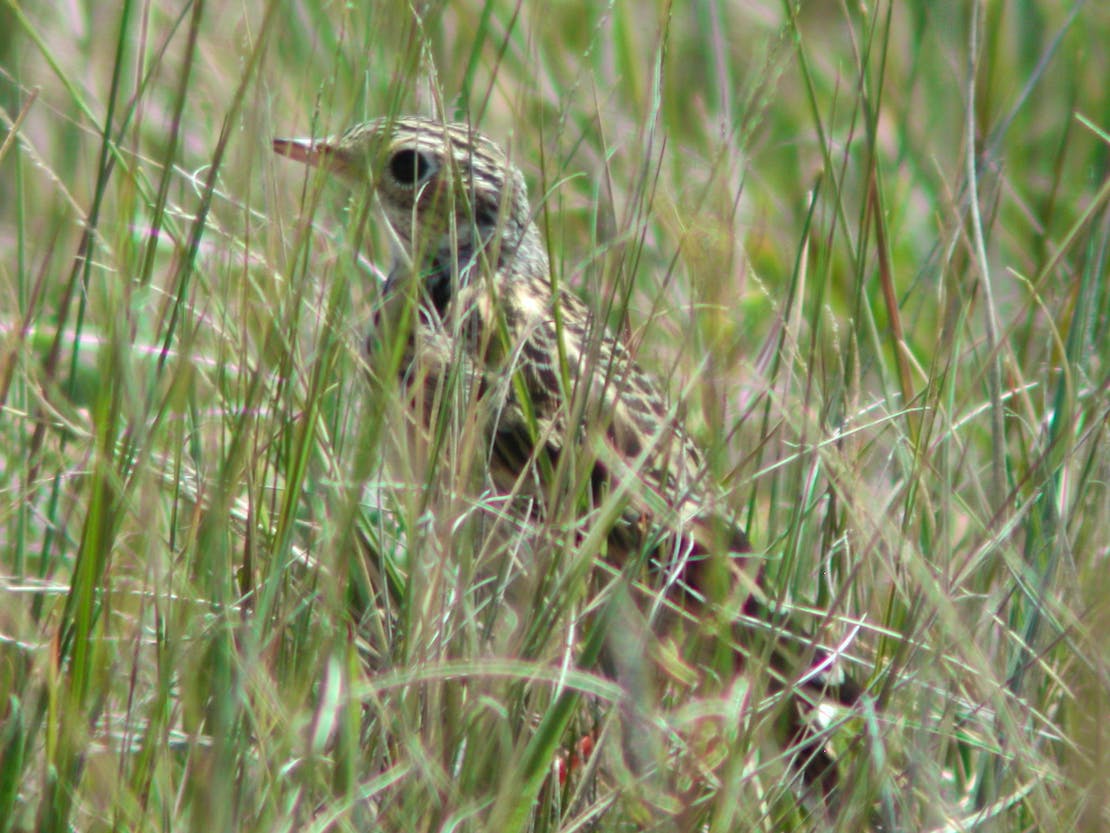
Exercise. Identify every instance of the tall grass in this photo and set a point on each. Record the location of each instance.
(865, 246)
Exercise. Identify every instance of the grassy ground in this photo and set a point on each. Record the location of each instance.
(866, 244)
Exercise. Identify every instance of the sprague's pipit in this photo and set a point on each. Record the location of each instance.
(471, 292)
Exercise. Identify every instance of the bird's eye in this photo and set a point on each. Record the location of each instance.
(410, 167)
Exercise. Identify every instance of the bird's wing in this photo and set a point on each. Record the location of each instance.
(600, 415)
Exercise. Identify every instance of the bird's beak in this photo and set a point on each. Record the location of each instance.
(320, 153)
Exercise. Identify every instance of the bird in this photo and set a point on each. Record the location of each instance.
(471, 296)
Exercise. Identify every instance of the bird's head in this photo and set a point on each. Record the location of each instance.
(450, 194)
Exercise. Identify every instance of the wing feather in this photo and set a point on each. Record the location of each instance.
(615, 416)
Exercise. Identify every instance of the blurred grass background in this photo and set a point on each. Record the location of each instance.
(865, 244)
